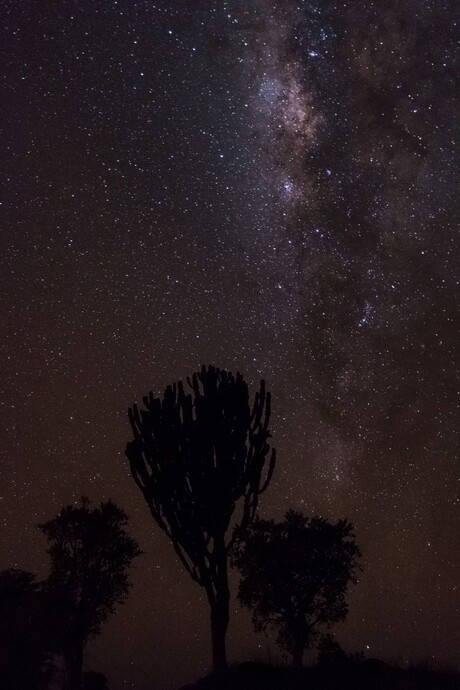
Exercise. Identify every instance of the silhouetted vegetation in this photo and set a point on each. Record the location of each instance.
(30, 640)
(23, 645)
(90, 556)
(331, 654)
(357, 674)
(295, 575)
(193, 456)
(94, 680)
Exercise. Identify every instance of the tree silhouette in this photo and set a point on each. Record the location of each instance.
(22, 641)
(90, 556)
(295, 575)
(193, 456)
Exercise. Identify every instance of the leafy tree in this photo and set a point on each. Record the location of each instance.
(193, 456)
(295, 576)
(22, 644)
(90, 556)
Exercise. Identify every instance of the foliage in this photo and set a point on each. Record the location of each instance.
(295, 575)
(91, 554)
(22, 642)
(193, 457)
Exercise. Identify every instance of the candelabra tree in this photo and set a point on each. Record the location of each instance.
(194, 456)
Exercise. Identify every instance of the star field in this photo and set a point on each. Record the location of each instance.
(265, 186)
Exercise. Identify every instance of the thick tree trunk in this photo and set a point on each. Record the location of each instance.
(297, 658)
(219, 598)
(219, 625)
(74, 663)
(301, 632)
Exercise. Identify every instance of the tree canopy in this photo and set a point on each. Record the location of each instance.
(193, 456)
(91, 553)
(294, 576)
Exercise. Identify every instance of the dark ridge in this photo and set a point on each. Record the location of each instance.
(369, 674)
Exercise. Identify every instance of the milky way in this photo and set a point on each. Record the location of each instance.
(268, 187)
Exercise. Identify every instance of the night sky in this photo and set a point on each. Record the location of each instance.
(269, 187)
